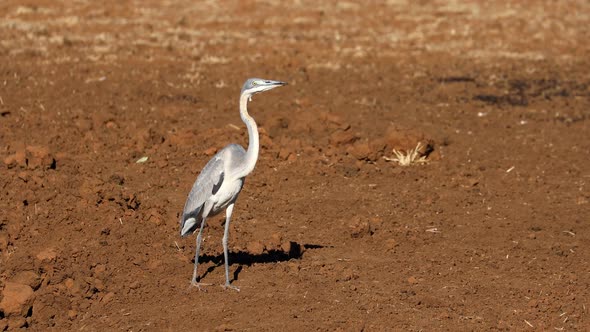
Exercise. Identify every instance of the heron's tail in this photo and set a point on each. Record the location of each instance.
(190, 222)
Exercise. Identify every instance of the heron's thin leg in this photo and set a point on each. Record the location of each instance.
(228, 213)
(199, 240)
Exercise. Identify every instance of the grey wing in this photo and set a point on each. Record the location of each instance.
(207, 184)
(208, 180)
(237, 153)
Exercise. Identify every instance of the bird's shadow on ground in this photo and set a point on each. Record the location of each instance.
(242, 258)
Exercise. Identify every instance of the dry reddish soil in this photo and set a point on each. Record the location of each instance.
(492, 233)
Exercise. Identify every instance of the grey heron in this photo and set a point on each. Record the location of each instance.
(218, 185)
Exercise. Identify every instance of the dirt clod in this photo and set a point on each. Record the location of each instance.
(390, 244)
(48, 254)
(29, 278)
(359, 227)
(108, 297)
(3, 242)
(39, 156)
(255, 247)
(17, 299)
(343, 137)
(18, 159)
(210, 151)
(16, 322)
(361, 151)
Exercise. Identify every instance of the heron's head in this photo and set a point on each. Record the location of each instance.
(256, 85)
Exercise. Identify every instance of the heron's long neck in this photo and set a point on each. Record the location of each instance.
(253, 146)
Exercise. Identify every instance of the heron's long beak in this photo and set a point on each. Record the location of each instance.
(268, 85)
(276, 83)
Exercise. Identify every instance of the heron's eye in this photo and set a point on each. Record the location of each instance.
(254, 83)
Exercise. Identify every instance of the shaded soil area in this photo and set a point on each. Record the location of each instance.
(491, 233)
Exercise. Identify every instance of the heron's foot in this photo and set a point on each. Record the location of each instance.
(228, 286)
(199, 285)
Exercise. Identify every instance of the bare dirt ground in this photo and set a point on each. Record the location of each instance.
(491, 234)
